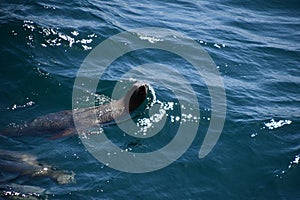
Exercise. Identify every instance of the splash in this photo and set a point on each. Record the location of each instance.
(164, 112)
(16, 106)
(151, 39)
(291, 165)
(273, 124)
(296, 161)
(11, 194)
(54, 37)
(154, 99)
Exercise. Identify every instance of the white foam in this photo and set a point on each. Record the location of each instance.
(75, 33)
(151, 39)
(273, 124)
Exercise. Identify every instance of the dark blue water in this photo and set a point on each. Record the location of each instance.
(255, 45)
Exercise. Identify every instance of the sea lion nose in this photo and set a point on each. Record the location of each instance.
(142, 89)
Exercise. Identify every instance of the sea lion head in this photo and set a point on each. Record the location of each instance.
(136, 95)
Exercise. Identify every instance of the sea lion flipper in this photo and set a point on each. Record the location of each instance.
(64, 133)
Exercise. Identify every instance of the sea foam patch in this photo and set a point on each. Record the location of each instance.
(273, 124)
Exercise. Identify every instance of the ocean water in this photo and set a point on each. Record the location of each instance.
(255, 46)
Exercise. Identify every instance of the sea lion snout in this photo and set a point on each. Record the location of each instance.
(142, 90)
(138, 95)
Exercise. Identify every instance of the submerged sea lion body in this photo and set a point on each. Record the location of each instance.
(26, 164)
(62, 122)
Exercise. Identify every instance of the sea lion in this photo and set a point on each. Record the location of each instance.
(27, 165)
(62, 123)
